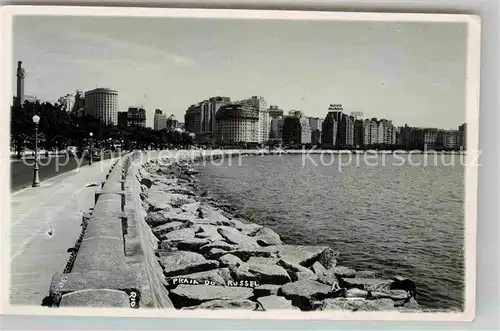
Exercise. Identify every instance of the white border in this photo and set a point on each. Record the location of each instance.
(471, 173)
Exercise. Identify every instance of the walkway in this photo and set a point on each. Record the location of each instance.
(45, 222)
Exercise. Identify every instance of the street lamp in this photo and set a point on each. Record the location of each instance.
(90, 149)
(36, 179)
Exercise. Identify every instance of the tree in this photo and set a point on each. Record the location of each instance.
(22, 127)
(57, 128)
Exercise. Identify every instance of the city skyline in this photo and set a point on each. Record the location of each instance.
(382, 69)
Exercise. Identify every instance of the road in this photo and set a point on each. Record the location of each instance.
(21, 171)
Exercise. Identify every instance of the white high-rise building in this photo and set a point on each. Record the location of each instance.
(102, 103)
(160, 120)
(260, 104)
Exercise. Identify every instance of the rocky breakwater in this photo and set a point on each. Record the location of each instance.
(213, 260)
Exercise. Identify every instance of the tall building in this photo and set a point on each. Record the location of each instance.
(386, 134)
(79, 104)
(462, 136)
(345, 129)
(368, 132)
(136, 116)
(348, 124)
(359, 134)
(122, 119)
(450, 139)
(237, 123)
(316, 124)
(296, 129)
(21, 74)
(404, 137)
(426, 138)
(102, 103)
(160, 120)
(305, 131)
(292, 130)
(209, 109)
(260, 104)
(192, 119)
(67, 101)
(329, 131)
(276, 133)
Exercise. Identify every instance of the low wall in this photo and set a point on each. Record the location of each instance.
(155, 239)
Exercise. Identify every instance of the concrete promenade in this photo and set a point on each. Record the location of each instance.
(45, 222)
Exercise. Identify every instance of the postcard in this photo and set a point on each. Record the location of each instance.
(258, 164)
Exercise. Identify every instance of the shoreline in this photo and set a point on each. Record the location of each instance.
(208, 253)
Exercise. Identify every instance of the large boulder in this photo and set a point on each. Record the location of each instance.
(275, 302)
(344, 272)
(368, 284)
(188, 295)
(249, 229)
(303, 255)
(157, 200)
(214, 253)
(304, 292)
(192, 245)
(227, 260)
(266, 290)
(156, 218)
(226, 304)
(177, 215)
(357, 304)
(209, 232)
(267, 237)
(269, 274)
(296, 271)
(217, 244)
(262, 260)
(233, 236)
(210, 277)
(328, 258)
(325, 276)
(242, 272)
(214, 216)
(178, 235)
(245, 253)
(169, 227)
(191, 208)
(181, 263)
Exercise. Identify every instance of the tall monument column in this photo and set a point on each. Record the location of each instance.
(21, 73)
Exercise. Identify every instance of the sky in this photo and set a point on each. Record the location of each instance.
(410, 72)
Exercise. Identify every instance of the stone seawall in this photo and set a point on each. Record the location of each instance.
(213, 260)
(109, 265)
(154, 239)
